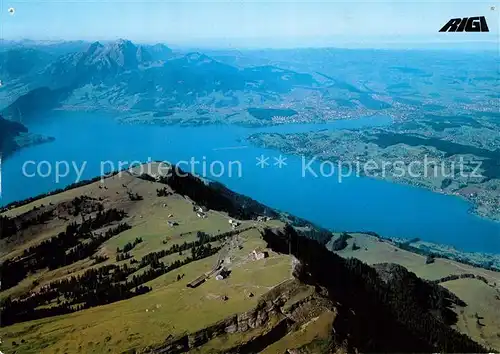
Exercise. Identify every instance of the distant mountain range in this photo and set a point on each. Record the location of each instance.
(138, 78)
(153, 84)
(19, 62)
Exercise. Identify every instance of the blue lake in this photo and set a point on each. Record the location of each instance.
(356, 204)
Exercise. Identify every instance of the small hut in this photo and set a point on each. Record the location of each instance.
(258, 254)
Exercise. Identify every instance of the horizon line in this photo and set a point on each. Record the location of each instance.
(482, 44)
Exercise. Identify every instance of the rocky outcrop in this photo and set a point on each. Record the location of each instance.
(255, 318)
(384, 308)
(270, 307)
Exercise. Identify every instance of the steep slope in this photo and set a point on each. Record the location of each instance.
(159, 51)
(18, 62)
(123, 76)
(14, 136)
(388, 313)
(8, 131)
(97, 64)
(35, 102)
(160, 263)
(478, 287)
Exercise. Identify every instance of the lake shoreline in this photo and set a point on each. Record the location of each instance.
(391, 209)
(488, 261)
(492, 214)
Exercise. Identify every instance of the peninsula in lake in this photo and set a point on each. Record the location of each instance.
(14, 136)
(274, 177)
(452, 155)
(431, 107)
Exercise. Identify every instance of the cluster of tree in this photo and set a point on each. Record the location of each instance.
(101, 219)
(129, 246)
(99, 259)
(87, 249)
(8, 227)
(99, 286)
(445, 183)
(203, 239)
(40, 218)
(142, 289)
(94, 287)
(214, 196)
(318, 234)
(134, 196)
(377, 313)
(84, 204)
(202, 236)
(163, 192)
(461, 276)
(341, 242)
(63, 249)
(9, 129)
(123, 256)
(158, 268)
(18, 204)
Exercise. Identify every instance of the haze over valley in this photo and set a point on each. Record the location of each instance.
(435, 113)
(248, 177)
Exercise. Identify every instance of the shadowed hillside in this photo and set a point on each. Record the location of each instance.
(14, 135)
(8, 131)
(190, 266)
(383, 309)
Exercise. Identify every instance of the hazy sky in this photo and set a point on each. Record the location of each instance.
(243, 23)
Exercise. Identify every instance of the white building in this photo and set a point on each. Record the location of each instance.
(259, 255)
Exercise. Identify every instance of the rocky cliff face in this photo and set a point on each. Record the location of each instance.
(276, 314)
(381, 309)
(139, 78)
(239, 323)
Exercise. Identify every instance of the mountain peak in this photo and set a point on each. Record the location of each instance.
(94, 47)
(123, 43)
(198, 58)
(160, 47)
(143, 54)
(122, 52)
(160, 51)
